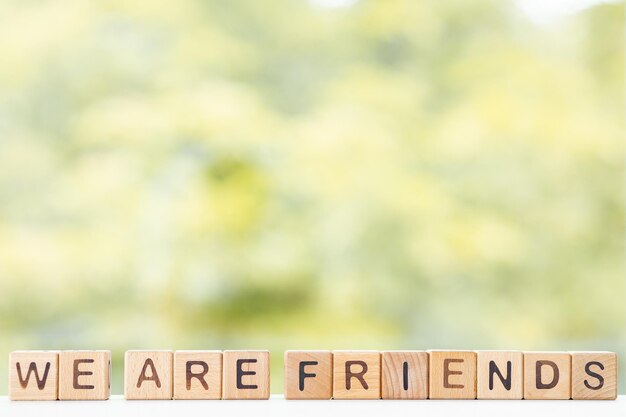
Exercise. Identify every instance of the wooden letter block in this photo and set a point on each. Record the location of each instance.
(452, 375)
(197, 375)
(405, 375)
(547, 375)
(308, 375)
(500, 375)
(246, 375)
(594, 375)
(356, 375)
(85, 375)
(148, 375)
(33, 375)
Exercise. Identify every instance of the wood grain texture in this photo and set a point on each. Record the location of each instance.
(547, 375)
(594, 375)
(404, 375)
(452, 374)
(500, 375)
(197, 375)
(33, 375)
(246, 375)
(356, 375)
(317, 375)
(85, 375)
(148, 374)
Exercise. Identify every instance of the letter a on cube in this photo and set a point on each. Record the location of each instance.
(148, 375)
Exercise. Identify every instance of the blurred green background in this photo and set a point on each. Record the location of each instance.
(288, 174)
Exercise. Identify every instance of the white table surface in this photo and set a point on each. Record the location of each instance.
(279, 407)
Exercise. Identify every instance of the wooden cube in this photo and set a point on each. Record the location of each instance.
(246, 375)
(547, 375)
(33, 375)
(197, 375)
(404, 375)
(308, 375)
(500, 375)
(452, 374)
(356, 375)
(148, 374)
(594, 375)
(85, 375)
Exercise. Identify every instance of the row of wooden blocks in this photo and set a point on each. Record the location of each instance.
(245, 374)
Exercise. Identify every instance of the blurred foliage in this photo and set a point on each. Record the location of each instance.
(246, 174)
